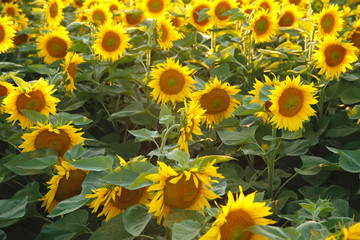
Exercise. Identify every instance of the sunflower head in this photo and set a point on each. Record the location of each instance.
(154, 8)
(11, 9)
(100, 14)
(330, 21)
(70, 69)
(268, 5)
(133, 17)
(289, 16)
(5, 89)
(354, 36)
(7, 32)
(203, 25)
(217, 10)
(166, 33)
(263, 26)
(54, 13)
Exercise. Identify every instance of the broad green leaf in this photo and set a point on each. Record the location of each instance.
(76, 119)
(142, 181)
(180, 156)
(186, 230)
(39, 163)
(112, 230)
(65, 228)
(202, 15)
(245, 135)
(31, 191)
(4, 65)
(98, 163)
(350, 160)
(165, 115)
(2, 235)
(75, 153)
(313, 165)
(243, 110)
(13, 208)
(73, 103)
(308, 229)
(350, 95)
(130, 110)
(298, 147)
(35, 116)
(275, 233)
(283, 198)
(136, 218)
(144, 135)
(78, 47)
(42, 69)
(219, 187)
(178, 215)
(210, 158)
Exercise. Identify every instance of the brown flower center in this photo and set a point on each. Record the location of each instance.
(291, 102)
(99, 16)
(20, 39)
(172, 82)
(60, 142)
(196, 16)
(133, 19)
(3, 91)
(70, 187)
(163, 33)
(155, 6)
(2, 33)
(111, 41)
(334, 55)
(127, 198)
(216, 101)
(33, 101)
(236, 222)
(56, 47)
(261, 26)
(10, 11)
(287, 20)
(72, 69)
(176, 22)
(265, 6)
(295, 2)
(327, 23)
(220, 9)
(113, 7)
(355, 38)
(54, 10)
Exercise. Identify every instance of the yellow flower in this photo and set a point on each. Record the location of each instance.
(238, 215)
(30, 96)
(177, 21)
(54, 13)
(289, 16)
(7, 32)
(351, 233)
(166, 33)
(217, 101)
(133, 17)
(100, 14)
(111, 42)
(5, 89)
(60, 138)
(263, 26)
(87, 4)
(11, 9)
(333, 57)
(355, 36)
(330, 21)
(54, 44)
(291, 102)
(298, 3)
(171, 82)
(194, 115)
(70, 70)
(77, 3)
(64, 185)
(218, 8)
(186, 189)
(193, 17)
(20, 22)
(154, 8)
(270, 5)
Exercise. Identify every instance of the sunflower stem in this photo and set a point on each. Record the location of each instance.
(283, 185)
(163, 141)
(213, 40)
(168, 233)
(271, 161)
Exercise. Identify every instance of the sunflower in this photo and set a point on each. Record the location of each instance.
(111, 42)
(115, 5)
(193, 17)
(20, 22)
(238, 215)
(270, 5)
(54, 44)
(166, 33)
(194, 115)
(329, 21)
(217, 101)
(351, 233)
(354, 37)
(177, 21)
(70, 70)
(263, 26)
(298, 3)
(289, 16)
(248, 9)
(30, 96)
(291, 102)
(11, 9)
(185, 189)
(77, 3)
(171, 82)
(65, 184)
(116, 199)
(218, 8)
(54, 13)
(154, 8)
(66, 3)
(60, 138)
(133, 17)
(99, 14)
(7, 32)
(5, 89)
(87, 4)
(333, 57)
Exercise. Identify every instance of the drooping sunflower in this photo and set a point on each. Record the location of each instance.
(334, 56)
(70, 69)
(30, 96)
(186, 189)
(54, 13)
(5, 89)
(171, 82)
(355, 36)
(177, 21)
(263, 26)
(166, 33)
(194, 115)
(133, 17)
(116, 199)
(270, 5)
(54, 44)
(218, 8)
(7, 32)
(193, 17)
(217, 101)
(111, 42)
(289, 16)
(291, 102)
(60, 138)
(11, 9)
(154, 8)
(238, 215)
(65, 184)
(330, 21)
(100, 14)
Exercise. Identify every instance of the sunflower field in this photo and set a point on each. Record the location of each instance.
(180, 119)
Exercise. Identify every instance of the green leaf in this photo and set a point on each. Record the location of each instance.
(75, 153)
(245, 135)
(144, 135)
(39, 163)
(165, 115)
(265, 92)
(350, 95)
(42, 69)
(4, 65)
(350, 160)
(180, 156)
(243, 110)
(112, 230)
(209, 158)
(202, 15)
(219, 187)
(34, 116)
(298, 147)
(313, 165)
(308, 229)
(98, 163)
(275, 233)
(186, 230)
(136, 218)
(65, 228)
(13, 208)
(130, 110)
(76, 119)
(2, 235)
(178, 215)
(78, 47)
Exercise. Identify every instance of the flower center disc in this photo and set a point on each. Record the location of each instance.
(216, 101)
(127, 198)
(220, 9)
(355, 38)
(261, 26)
(113, 7)
(20, 39)
(265, 6)
(2, 33)
(267, 106)
(172, 82)
(295, 2)
(70, 187)
(56, 47)
(72, 69)
(10, 11)
(35, 101)
(163, 33)
(287, 20)
(334, 55)
(60, 142)
(182, 194)
(236, 222)
(54, 10)
(99, 16)
(3, 91)
(175, 22)
(111, 41)
(327, 23)
(291, 102)
(155, 6)
(196, 16)
(133, 18)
